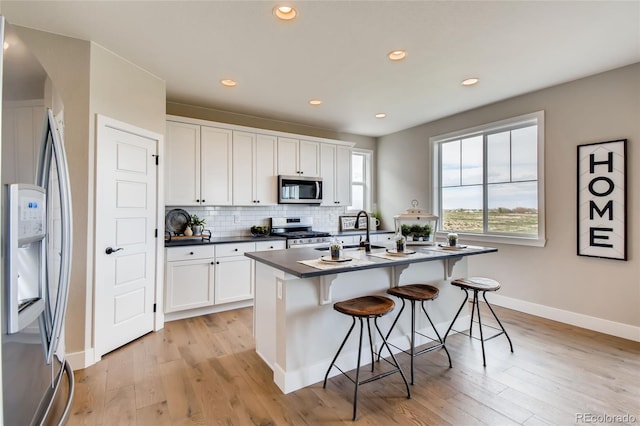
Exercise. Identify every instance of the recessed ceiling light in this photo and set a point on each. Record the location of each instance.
(286, 13)
(315, 102)
(470, 81)
(381, 115)
(228, 82)
(397, 55)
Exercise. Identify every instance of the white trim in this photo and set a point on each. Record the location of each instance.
(101, 123)
(81, 360)
(200, 122)
(434, 143)
(600, 325)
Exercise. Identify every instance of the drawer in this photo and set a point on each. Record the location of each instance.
(270, 245)
(189, 253)
(234, 249)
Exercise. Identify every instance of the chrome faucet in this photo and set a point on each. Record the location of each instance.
(367, 242)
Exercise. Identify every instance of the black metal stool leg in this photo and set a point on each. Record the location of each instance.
(370, 341)
(392, 325)
(355, 393)
(484, 295)
(413, 335)
(477, 304)
(437, 334)
(466, 300)
(474, 305)
(324, 385)
(395, 361)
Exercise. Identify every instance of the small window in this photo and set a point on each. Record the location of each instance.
(489, 182)
(361, 188)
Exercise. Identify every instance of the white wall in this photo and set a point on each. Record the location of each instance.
(91, 80)
(552, 281)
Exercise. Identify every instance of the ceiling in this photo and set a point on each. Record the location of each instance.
(336, 51)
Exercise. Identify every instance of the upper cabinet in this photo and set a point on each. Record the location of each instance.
(216, 164)
(335, 167)
(198, 166)
(254, 169)
(298, 157)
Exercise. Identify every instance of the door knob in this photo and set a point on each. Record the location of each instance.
(110, 250)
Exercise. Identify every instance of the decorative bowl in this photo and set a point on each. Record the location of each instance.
(260, 231)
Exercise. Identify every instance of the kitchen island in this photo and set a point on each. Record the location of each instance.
(296, 330)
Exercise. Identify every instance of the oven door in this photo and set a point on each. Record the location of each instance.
(307, 245)
(299, 190)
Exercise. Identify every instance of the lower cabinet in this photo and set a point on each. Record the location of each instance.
(210, 276)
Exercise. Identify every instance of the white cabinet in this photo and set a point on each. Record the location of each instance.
(270, 245)
(298, 157)
(254, 169)
(234, 273)
(215, 166)
(189, 278)
(335, 168)
(198, 165)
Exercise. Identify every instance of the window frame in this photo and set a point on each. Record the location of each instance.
(367, 182)
(435, 142)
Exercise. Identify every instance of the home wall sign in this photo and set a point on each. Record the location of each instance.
(602, 199)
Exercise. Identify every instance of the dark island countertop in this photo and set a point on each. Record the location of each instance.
(287, 260)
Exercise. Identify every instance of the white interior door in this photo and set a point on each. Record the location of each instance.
(125, 249)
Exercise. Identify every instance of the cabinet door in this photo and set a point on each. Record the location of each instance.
(288, 156)
(270, 245)
(234, 279)
(215, 166)
(21, 139)
(182, 165)
(343, 176)
(328, 173)
(309, 158)
(266, 170)
(189, 285)
(243, 170)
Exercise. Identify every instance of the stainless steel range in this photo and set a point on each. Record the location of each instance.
(298, 232)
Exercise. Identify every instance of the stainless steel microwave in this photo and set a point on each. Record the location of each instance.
(299, 190)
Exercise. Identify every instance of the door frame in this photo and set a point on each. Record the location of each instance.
(102, 123)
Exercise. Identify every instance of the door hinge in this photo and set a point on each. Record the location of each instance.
(157, 158)
(156, 233)
(154, 307)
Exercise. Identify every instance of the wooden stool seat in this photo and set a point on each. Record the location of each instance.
(477, 283)
(366, 306)
(415, 292)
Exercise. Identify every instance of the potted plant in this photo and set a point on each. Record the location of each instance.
(335, 249)
(406, 230)
(400, 242)
(426, 232)
(416, 231)
(196, 224)
(453, 239)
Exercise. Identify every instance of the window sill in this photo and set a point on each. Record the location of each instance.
(494, 239)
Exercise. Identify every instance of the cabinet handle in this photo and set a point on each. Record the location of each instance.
(217, 263)
(191, 253)
(197, 201)
(203, 200)
(270, 247)
(212, 263)
(235, 249)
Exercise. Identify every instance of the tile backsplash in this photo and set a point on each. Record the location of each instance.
(229, 221)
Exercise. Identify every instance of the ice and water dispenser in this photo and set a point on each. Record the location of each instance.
(24, 254)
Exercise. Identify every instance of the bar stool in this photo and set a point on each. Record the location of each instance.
(414, 293)
(478, 284)
(366, 307)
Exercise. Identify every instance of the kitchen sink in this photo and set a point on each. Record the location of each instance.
(351, 247)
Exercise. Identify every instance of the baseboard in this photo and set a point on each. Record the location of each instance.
(600, 325)
(80, 360)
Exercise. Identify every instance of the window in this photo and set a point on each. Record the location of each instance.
(489, 181)
(361, 179)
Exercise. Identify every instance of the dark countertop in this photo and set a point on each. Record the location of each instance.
(219, 240)
(196, 241)
(287, 260)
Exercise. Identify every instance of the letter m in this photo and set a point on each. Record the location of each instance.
(593, 207)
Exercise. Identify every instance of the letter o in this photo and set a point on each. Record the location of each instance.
(601, 194)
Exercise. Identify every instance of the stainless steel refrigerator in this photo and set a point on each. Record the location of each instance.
(37, 382)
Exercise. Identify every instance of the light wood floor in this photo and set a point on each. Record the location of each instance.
(205, 371)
